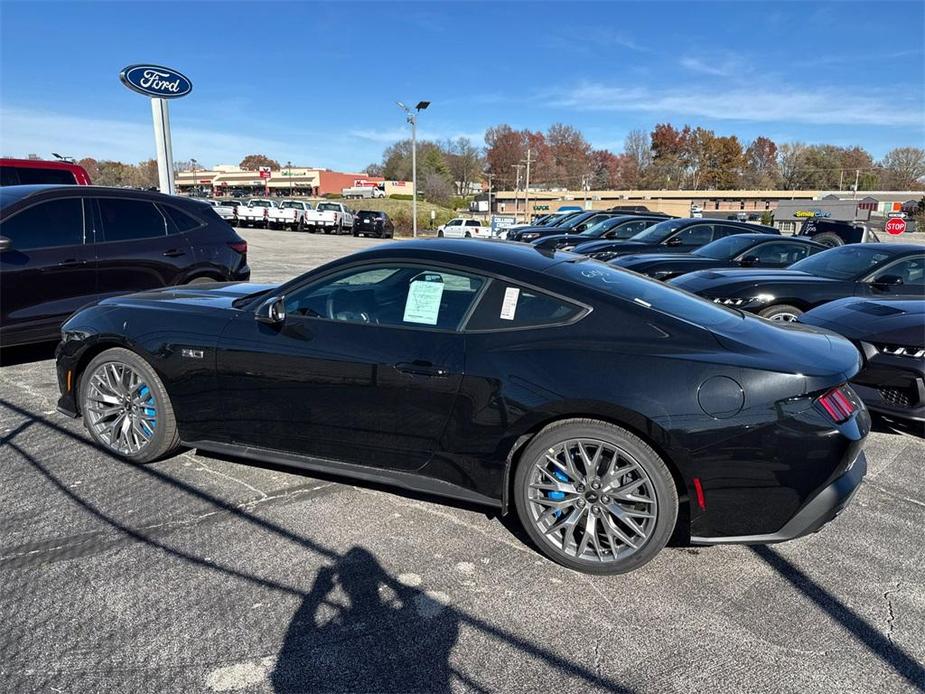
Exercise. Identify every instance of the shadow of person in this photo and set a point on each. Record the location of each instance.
(360, 630)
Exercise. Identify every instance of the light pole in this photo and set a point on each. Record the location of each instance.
(70, 160)
(413, 119)
(289, 166)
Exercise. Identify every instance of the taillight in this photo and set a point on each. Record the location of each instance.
(239, 246)
(838, 403)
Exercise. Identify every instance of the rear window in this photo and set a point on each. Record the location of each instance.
(126, 220)
(24, 175)
(647, 293)
(506, 306)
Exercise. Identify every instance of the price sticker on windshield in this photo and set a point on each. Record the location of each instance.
(509, 305)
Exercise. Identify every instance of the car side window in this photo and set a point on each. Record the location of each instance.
(389, 295)
(181, 221)
(51, 224)
(910, 270)
(724, 230)
(696, 235)
(504, 306)
(627, 230)
(472, 223)
(126, 220)
(779, 252)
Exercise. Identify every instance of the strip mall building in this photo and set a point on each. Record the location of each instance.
(228, 180)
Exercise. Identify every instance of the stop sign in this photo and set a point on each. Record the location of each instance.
(895, 226)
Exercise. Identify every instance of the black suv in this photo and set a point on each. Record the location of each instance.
(62, 247)
(373, 223)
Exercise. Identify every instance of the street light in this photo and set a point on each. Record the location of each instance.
(289, 166)
(67, 159)
(413, 119)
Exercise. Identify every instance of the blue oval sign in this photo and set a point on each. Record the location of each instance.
(156, 80)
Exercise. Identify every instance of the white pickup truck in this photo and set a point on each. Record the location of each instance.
(330, 217)
(289, 215)
(256, 212)
(364, 192)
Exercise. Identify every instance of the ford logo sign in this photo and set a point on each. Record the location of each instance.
(156, 81)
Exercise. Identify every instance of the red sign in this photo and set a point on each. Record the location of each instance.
(264, 171)
(896, 226)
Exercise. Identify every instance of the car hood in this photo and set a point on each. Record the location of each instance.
(890, 322)
(714, 281)
(675, 260)
(616, 246)
(218, 295)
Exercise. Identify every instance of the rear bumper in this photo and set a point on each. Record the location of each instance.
(818, 511)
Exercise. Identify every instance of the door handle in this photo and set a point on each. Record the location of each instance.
(422, 368)
(70, 262)
(174, 253)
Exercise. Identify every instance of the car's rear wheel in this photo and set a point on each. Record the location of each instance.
(440, 233)
(595, 497)
(829, 239)
(126, 408)
(781, 312)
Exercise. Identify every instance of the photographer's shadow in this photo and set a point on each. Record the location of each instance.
(358, 629)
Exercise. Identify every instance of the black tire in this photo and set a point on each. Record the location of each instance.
(356, 234)
(829, 239)
(440, 233)
(781, 312)
(166, 438)
(659, 484)
(468, 235)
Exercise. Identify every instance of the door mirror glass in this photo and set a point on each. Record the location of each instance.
(5, 243)
(749, 260)
(272, 311)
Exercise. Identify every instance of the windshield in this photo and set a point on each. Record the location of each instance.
(600, 227)
(329, 206)
(724, 249)
(841, 263)
(574, 221)
(659, 232)
(648, 293)
(561, 219)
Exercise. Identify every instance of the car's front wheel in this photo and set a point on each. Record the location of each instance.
(126, 408)
(595, 497)
(781, 312)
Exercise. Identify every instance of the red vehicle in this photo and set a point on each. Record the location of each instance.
(15, 172)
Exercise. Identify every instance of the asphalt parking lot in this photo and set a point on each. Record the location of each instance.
(204, 574)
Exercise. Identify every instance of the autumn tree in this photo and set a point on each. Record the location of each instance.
(464, 160)
(637, 146)
(504, 149)
(761, 169)
(91, 167)
(903, 168)
(374, 170)
(252, 162)
(569, 156)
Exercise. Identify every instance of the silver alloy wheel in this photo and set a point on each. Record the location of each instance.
(785, 316)
(592, 500)
(120, 407)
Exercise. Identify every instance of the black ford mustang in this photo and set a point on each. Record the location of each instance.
(671, 236)
(611, 229)
(742, 250)
(594, 401)
(880, 270)
(891, 336)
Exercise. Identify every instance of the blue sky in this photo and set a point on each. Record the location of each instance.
(316, 83)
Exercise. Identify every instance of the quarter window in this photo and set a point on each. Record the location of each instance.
(126, 220)
(181, 221)
(406, 296)
(47, 225)
(505, 306)
(780, 253)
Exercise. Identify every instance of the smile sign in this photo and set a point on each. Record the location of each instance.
(156, 81)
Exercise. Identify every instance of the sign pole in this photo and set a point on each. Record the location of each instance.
(161, 116)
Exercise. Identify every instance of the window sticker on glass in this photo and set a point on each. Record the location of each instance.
(423, 303)
(509, 304)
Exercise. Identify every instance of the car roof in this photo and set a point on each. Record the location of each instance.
(9, 195)
(475, 254)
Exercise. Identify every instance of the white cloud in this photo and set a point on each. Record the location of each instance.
(771, 103)
(389, 136)
(723, 67)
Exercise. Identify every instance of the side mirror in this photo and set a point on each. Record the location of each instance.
(272, 311)
(749, 260)
(676, 241)
(5, 244)
(888, 281)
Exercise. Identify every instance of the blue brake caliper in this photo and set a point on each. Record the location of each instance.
(557, 495)
(150, 409)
